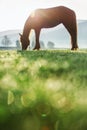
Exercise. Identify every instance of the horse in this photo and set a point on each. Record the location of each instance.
(48, 18)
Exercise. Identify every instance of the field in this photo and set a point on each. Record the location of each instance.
(43, 88)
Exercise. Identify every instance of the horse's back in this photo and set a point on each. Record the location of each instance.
(50, 17)
(54, 12)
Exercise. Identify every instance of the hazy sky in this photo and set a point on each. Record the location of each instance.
(13, 13)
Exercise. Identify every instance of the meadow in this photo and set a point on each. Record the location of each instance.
(46, 87)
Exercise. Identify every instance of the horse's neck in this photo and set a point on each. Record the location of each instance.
(26, 31)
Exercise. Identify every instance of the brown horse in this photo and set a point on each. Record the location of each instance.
(47, 18)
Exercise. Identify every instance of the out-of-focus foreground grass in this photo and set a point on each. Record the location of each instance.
(40, 86)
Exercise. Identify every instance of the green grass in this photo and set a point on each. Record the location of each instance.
(49, 84)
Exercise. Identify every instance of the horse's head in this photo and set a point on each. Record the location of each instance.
(24, 41)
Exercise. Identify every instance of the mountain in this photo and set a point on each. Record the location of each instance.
(58, 35)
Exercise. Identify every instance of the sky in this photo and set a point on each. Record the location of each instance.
(13, 13)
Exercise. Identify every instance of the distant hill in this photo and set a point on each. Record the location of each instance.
(9, 32)
(58, 35)
(9, 39)
(82, 30)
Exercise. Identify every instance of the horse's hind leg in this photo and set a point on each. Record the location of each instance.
(72, 29)
(74, 41)
(73, 33)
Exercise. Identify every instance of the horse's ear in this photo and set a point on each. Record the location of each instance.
(20, 34)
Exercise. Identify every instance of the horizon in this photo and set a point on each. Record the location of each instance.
(13, 14)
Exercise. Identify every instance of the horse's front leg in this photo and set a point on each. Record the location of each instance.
(37, 32)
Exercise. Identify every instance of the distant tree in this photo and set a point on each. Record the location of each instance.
(6, 41)
(42, 45)
(50, 45)
(18, 44)
(33, 44)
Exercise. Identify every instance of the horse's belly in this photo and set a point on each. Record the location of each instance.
(48, 23)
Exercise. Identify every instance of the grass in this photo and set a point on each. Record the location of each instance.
(40, 86)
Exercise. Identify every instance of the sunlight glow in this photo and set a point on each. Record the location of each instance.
(33, 14)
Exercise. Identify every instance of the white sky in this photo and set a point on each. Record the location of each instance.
(13, 13)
